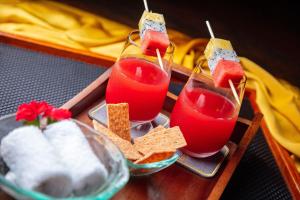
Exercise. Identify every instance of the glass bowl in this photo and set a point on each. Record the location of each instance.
(99, 114)
(104, 149)
(150, 168)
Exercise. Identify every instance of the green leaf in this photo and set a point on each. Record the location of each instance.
(33, 123)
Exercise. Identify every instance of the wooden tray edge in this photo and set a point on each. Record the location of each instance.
(237, 156)
(54, 49)
(282, 156)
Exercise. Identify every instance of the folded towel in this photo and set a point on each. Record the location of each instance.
(33, 162)
(86, 170)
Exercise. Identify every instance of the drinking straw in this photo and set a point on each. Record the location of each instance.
(157, 50)
(159, 59)
(146, 5)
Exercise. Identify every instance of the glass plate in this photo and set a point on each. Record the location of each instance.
(105, 150)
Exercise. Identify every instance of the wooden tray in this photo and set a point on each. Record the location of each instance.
(173, 182)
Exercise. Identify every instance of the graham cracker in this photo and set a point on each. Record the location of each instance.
(163, 140)
(125, 146)
(155, 156)
(101, 128)
(156, 129)
(118, 120)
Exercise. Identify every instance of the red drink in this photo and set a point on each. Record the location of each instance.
(140, 83)
(206, 119)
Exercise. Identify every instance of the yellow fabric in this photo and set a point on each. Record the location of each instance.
(60, 24)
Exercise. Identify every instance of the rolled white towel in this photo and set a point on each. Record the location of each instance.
(86, 170)
(11, 177)
(33, 162)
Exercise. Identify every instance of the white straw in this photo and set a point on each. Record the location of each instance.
(157, 51)
(209, 28)
(146, 5)
(159, 60)
(234, 92)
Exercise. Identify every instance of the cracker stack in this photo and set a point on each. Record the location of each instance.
(158, 144)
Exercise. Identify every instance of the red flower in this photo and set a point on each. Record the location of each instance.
(48, 110)
(60, 114)
(31, 111)
(26, 112)
(41, 107)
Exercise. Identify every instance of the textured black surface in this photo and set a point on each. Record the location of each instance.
(257, 176)
(27, 75)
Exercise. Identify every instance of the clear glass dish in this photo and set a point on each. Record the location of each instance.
(150, 168)
(99, 114)
(105, 150)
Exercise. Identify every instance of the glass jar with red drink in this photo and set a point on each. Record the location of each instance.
(140, 80)
(206, 114)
